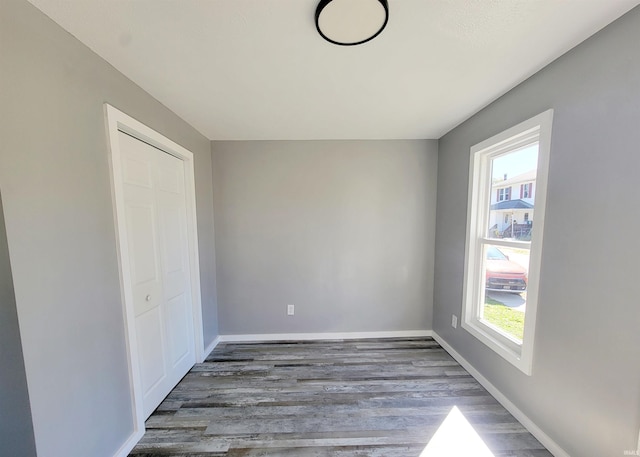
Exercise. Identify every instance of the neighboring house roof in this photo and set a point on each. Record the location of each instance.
(511, 204)
(529, 176)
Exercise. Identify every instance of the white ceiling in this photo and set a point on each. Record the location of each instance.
(257, 69)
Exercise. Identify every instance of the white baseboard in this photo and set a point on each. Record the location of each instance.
(209, 349)
(323, 336)
(128, 446)
(541, 436)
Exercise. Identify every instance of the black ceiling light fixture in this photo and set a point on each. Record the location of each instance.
(351, 22)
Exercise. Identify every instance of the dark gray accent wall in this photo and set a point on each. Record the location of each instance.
(58, 209)
(343, 230)
(584, 391)
(16, 430)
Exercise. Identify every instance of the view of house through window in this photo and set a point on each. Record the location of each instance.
(505, 217)
(506, 268)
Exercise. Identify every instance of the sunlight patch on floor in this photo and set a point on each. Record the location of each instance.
(456, 438)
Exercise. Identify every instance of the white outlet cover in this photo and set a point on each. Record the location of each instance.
(290, 310)
(454, 321)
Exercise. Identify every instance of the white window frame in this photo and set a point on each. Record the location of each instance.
(534, 130)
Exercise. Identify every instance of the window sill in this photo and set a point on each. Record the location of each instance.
(508, 348)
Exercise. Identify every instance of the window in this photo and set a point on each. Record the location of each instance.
(526, 190)
(504, 194)
(502, 268)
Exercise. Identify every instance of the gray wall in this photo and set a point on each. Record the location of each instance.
(585, 388)
(55, 181)
(16, 431)
(343, 230)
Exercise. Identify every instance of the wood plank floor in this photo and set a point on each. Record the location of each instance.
(379, 398)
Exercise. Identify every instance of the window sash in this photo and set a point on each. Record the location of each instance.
(534, 130)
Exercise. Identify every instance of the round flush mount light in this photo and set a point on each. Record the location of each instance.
(351, 22)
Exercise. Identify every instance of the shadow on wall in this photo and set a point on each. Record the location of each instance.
(16, 428)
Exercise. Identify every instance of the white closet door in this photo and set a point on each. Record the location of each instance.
(155, 212)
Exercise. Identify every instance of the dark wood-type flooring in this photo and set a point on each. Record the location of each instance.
(379, 398)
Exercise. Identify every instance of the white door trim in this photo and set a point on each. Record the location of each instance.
(117, 121)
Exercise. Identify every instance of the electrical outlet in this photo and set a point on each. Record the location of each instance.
(454, 321)
(291, 310)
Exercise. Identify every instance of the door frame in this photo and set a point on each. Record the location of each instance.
(117, 121)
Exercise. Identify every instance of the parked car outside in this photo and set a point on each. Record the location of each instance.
(502, 274)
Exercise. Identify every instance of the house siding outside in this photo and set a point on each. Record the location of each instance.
(512, 189)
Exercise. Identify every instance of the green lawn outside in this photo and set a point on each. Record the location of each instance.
(503, 317)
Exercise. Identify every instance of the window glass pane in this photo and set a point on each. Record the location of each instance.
(506, 273)
(512, 194)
